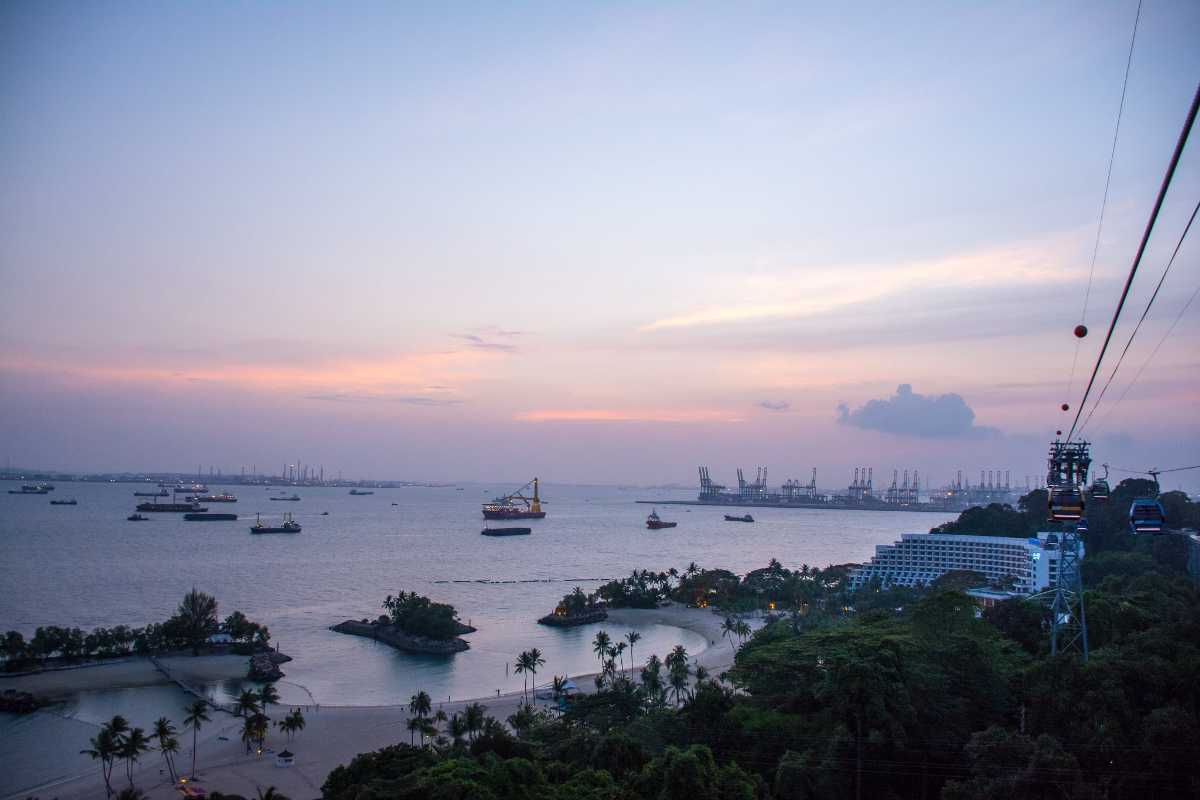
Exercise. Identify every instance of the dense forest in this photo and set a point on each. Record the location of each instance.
(882, 694)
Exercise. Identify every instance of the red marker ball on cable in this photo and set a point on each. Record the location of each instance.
(1065, 407)
(1080, 331)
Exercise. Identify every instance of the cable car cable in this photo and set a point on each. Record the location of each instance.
(1137, 259)
(1104, 199)
(1145, 312)
(1153, 353)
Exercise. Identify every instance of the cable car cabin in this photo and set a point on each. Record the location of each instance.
(1146, 516)
(1100, 491)
(1066, 504)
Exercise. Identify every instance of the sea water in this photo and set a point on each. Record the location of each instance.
(87, 566)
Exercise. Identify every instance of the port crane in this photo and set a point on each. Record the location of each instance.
(515, 505)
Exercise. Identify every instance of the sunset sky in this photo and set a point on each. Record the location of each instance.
(598, 242)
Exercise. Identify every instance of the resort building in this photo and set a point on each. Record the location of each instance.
(1020, 566)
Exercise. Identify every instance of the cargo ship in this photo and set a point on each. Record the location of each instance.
(71, 502)
(359, 492)
(202, 517)
(289, 526)
(743, 518)
(223, 497)
(516, 505)
(159, 493)
(293, 498)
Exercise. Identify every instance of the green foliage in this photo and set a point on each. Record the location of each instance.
(912, 696)
(419, 616)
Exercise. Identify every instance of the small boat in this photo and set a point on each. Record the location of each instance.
(291, 499)
(27, 490)
(289, 525)
(215, 517)
(506, 531)
(654, 523)
(359, 492)
(136, 518)
(324, 513)
(71, 502)
(159, 493)
(38, 487)
(743, 518)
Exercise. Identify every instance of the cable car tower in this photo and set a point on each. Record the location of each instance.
(1069, 463)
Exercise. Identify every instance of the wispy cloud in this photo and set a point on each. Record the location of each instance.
(628, 415)
(359, 397)
(774, 405)
(484, 338)
(815, 290)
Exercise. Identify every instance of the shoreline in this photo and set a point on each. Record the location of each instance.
(334, 734)
(127, 673)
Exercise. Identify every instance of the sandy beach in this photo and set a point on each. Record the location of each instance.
(333, 735)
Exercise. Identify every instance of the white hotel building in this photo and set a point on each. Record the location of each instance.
(919, 559)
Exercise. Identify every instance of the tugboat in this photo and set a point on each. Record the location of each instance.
(743, 518)
(71, 502)
(359, 492)
(506, 531)
(507, 507)
(289, 525)
(136, 518)
(654, 523)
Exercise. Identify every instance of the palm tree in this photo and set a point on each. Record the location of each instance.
(261, 723)
(271, 793)
(297, 720)
(416, 724)
(249, 732)
(701, 673)
(728, 627)
(118, 726)
(420, 704)
(136, 743)
(633, 637)
(620, 648)
(678, 679)
(266, 695)
(559, 685)
(164, 732)
(600, 645)
(742, 629)
(197, 715)
(473, 716)
(103, 749)
(691, 570)
(535, 661)
(458, 727)
(247, 702)
(522, 667)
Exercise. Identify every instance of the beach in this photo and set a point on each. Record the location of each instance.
(333, 734)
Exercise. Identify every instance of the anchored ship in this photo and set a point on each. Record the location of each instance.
(516, 505)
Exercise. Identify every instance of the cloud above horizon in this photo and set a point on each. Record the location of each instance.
(907, 413)
(774, 405)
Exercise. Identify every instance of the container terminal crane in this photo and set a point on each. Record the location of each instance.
(860, 495)
(516, 505)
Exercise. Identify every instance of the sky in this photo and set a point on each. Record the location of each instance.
(593, 242)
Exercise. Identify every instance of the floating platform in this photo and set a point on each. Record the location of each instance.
(201, 517)
(170, 507)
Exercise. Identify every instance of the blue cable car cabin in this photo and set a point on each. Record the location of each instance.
(1146, 516)
(1100, 490)
(1066, 504)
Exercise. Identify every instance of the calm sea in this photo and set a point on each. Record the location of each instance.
(86, 566)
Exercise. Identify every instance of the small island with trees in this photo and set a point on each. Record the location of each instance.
(414, 624)
(575, 608)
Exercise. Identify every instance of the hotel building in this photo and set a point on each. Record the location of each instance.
(919, 559)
